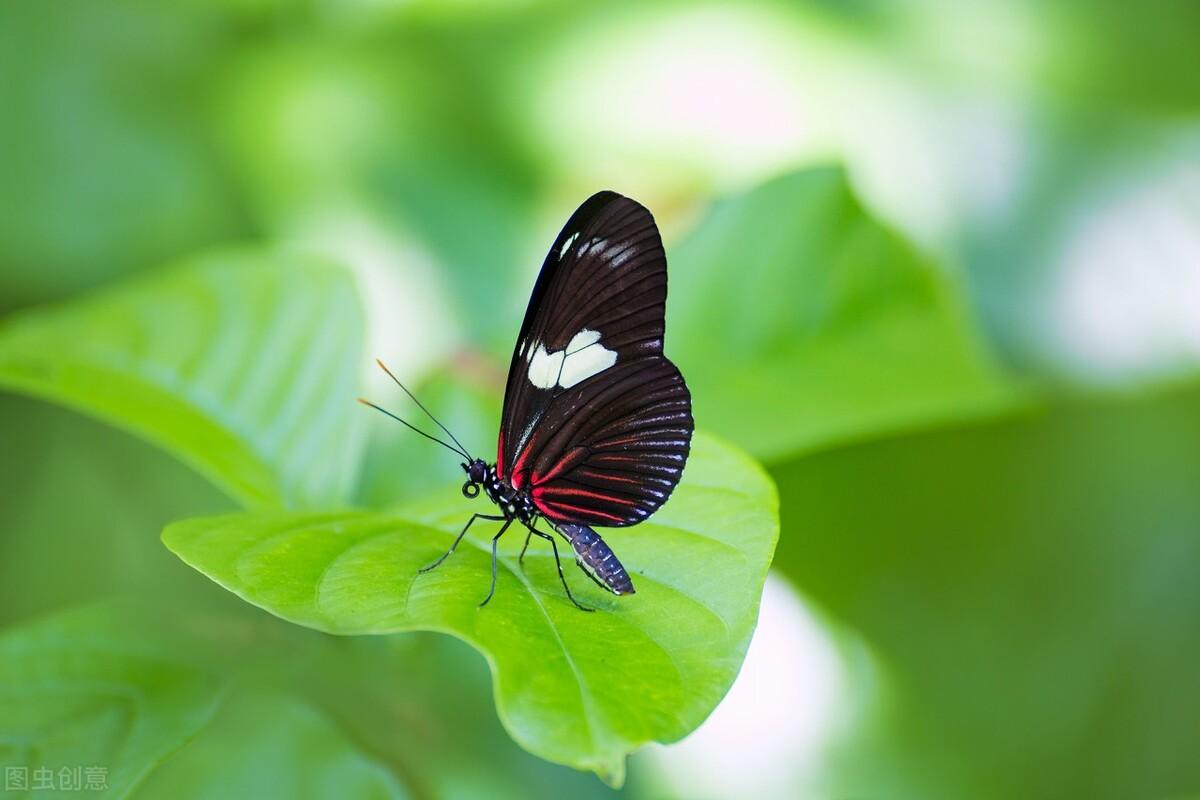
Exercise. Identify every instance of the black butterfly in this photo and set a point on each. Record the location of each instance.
(597, 422)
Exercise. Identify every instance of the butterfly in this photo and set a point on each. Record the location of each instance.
(597, 423)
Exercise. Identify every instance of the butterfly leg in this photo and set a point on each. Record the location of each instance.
(528, 536)
(461, 534)
(557, 563)
(495, 540)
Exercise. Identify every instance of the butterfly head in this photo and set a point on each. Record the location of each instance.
(476, 474)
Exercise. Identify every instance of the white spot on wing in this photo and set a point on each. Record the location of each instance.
(544, 368)
(583, 357)
(567, 245)
(581, 340)
(621, 257)
(585, 363)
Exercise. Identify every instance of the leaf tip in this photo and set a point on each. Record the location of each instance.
(612, 772)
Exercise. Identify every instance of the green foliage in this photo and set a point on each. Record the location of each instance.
(83, 502)
(102, 130)
(1029, 584)
(178, 704)
(698, 565)
(1024, 586)
(399, 148)
(80, 691)
(800, 321)
(198, 360)
(90, 689)
(270, 744)
(244, 365)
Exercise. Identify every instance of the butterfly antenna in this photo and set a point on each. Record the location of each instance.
(383, 367)
(414, 428)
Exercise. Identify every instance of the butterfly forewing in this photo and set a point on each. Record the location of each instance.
(597, 422)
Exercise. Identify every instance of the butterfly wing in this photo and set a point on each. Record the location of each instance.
(610, 451)
(597, 422)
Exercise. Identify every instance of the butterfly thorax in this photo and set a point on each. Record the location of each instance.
(513, 503)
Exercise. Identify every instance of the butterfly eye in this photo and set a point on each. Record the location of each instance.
(470, 490)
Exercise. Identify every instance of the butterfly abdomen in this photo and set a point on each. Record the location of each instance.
(596, 557)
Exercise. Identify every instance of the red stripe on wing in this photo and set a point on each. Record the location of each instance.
(518, 470)
(541, 492)
(586, 513)
(609, 476)
(607, 457)
(568, 460)
(636, 438)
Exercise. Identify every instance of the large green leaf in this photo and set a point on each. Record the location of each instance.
(799, 320)
(242, 364)
(1029, 584)
(576, 688)
(122, 492)
(151, 701)
(79, 691)
(270, 744)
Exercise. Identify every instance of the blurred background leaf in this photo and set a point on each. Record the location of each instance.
(1029, 584)
(206, 361)
(792, 340)
(268, 744)
(81, 691)
(85, 503)
(106, 145)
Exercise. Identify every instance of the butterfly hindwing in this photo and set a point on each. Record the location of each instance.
(610, 451)
(597, 422)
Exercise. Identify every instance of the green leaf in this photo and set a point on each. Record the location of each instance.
(799, 321)
(270, 744)
(155, 699)
(80, 691)
(575, 688)
(1029, 585)
(81, 505)
(244, 365)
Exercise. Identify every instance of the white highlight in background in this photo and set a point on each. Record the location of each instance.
(408, 321)
(661, 100)
(1126, 299)
(790, 703)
